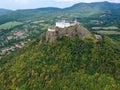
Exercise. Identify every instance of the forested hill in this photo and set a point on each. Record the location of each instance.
(68, 64)
(4, 10)
(75, 11)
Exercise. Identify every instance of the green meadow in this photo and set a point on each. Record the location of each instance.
(10, 25)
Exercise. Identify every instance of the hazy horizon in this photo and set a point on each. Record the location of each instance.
(31, 4)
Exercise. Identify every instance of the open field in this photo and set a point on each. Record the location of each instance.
(10, 25)
(108, 32)
(106, 28)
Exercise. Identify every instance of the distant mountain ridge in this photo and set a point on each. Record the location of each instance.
(77, 10)
(4, 10)
(99, 4)
(93, 8)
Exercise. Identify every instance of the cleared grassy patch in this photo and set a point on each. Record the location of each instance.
(106, 28)
(10, 25)
(108, 32)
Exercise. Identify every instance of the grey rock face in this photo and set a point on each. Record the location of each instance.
(81, 32)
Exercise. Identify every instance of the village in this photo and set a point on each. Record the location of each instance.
(18, 37)
(15, 36)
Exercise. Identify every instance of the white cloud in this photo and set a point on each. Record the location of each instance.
(87, 0)
(67, 0)
(19, 4)
(23, 1)
(25, 4)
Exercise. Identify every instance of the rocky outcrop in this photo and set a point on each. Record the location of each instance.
(51, 36)
(77, 30)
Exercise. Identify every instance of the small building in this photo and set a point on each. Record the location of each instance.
(18, 45)
(3, 52)
(51, 29)
(99, 37)
(10, 37)
(18, 33)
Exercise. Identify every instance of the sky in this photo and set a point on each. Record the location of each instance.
(31, 4)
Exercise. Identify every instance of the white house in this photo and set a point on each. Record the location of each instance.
(99, 37)
(52, 30)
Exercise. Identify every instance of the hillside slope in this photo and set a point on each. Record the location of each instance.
(68, 64)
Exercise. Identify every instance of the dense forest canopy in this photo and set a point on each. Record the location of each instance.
(69, 63)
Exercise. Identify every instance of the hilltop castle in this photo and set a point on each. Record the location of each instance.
(68, 29)
(64, 24)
